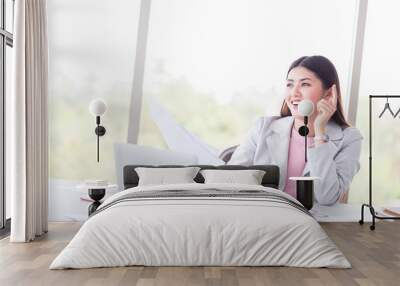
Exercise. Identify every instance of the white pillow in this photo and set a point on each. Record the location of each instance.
(248, 177)
(162, 176)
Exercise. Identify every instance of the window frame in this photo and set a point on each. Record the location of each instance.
(6, 39)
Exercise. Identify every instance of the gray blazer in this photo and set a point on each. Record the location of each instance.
(335, 162)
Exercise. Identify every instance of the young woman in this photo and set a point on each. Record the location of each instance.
(333, 146)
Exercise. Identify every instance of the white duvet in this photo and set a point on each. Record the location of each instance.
(200, 231)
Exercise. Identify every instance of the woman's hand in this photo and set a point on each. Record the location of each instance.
(326, 107)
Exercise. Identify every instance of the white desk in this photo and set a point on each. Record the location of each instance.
(65, 204)
(340, 213)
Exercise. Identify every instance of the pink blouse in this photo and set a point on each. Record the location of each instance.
(296, 160)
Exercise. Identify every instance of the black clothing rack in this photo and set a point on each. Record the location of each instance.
(370, 206)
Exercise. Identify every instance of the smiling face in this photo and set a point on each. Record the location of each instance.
(302, 84)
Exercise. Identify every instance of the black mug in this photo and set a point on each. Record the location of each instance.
(305, 192)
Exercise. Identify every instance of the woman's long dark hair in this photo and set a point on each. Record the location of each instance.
(326, 72)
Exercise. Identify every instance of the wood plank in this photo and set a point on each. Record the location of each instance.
(375, 258)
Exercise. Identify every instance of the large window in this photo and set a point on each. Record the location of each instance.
(92, 47)
(216, 66)
(6, 43)
(380, 75)
(213, 67)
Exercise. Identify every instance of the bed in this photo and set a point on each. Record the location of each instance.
(201, 224)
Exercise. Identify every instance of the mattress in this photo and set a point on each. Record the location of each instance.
(201, 225)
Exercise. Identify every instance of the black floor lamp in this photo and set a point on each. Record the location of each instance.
(98, 107)
(369, 205)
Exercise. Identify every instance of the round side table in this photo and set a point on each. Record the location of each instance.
(305, 190)
(96, 193)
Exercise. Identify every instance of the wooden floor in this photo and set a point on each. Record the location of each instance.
(374, 255)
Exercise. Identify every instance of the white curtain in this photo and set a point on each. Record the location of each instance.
(27, 159)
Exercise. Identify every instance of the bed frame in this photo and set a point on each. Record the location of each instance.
(270, 179)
